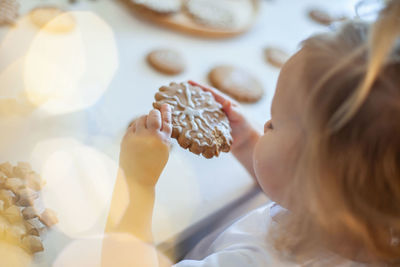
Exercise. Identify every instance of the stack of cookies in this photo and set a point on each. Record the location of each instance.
(219, 14)
(210, 18)
(21, 223)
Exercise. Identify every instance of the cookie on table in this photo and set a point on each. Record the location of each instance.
(166, 61)
(198, 121)
(161, 7)
(210, 13)
(275, 56)
(237, 83)
(8, 12)
(61, 21)
(323, 17)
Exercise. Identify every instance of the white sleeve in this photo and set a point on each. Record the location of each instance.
(242, 244)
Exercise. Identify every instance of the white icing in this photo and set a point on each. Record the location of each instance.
(188, 95)
(175, 100)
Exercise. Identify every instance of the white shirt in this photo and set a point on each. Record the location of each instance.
(245, 243)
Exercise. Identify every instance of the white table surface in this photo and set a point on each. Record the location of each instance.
(191, 187)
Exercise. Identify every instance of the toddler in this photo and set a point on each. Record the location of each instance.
(329, 158)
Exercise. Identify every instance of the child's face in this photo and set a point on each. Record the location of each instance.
(277, 150)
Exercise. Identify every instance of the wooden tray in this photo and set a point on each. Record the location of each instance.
(182, 21)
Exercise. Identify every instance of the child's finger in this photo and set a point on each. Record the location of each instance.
(166, 115)
(154, 120)
(230, 112)
(141, 123)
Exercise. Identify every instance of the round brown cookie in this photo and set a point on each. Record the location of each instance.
(237, 83)
(8, 12)
(198, 121)
(276, 56)
(323, 17)
(210, 13)
(60, 20)
(162, 7)
(166, 61)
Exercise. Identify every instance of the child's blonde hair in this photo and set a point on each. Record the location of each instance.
(347, 191)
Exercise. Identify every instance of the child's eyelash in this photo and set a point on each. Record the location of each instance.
(268, 125)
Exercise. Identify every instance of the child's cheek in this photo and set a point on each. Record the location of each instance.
(267, 166)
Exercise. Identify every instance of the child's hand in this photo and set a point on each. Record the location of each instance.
(242, 131)
(145, 147)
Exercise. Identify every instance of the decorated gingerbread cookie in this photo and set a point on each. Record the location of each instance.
(8, 12)
(166, 61)
(162, 7)
(210, 13)
(198, 121)
(237, 83)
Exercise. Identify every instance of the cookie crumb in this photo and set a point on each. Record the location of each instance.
(32, 244)
(29, 213)
(14, 184)
(34, 227)
(7, 169)
(8, 197)
(48, 217)
(13, 214)
(26, 197)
